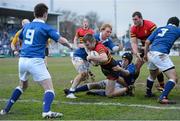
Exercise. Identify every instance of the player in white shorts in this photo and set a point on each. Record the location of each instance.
(161, 41)
(31, 62)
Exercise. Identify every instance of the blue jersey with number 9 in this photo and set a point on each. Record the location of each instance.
(163, 38)
(34, 38)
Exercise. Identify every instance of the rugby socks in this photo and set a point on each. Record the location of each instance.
(149, 86)
(48, 99)
(160, 78)
(168, 87)
(14, 97)
(82, 88)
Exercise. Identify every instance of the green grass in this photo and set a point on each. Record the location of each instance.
(62, 72)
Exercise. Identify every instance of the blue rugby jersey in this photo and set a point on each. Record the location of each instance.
(163, 38)
(34, 37)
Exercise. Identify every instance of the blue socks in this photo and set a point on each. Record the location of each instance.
(149, 86)
(14, 97)
(168, 87)
(48, 99)
(82, 88)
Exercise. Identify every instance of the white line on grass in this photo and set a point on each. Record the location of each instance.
(163, 107)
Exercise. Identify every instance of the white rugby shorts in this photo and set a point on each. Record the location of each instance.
(80, 64)
(158, 60)
(33, 66)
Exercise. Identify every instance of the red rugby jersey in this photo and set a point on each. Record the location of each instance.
(100, 48)
(143, 32)
(81, 32)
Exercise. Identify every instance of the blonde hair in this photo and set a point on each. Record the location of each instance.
(25, 21)
(104, 26)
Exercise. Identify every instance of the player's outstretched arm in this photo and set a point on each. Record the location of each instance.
(65, 42)
(120, 69)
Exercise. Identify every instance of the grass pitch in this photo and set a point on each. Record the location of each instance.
(85, 107)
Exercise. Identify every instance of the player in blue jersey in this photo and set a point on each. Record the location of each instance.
(80, 60)
(31, 62)
(124, 84)
(104, 37)
(161, 41)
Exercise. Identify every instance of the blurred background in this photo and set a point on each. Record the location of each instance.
(67, 15)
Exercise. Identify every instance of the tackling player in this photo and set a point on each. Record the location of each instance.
(79, 58)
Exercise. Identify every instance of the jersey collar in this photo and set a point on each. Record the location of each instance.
(38, 20)
(172, 25)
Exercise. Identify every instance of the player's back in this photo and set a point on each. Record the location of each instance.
(163, 38)
(35, 36)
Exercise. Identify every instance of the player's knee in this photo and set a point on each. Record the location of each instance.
(84, 74)
(24, 85)
(176, 79)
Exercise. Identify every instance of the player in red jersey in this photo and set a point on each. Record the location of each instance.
(106, 62)
(80, 32)
(141, 30)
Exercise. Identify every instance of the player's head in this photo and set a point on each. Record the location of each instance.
(137, 18)
(25, 21)
(89, 41)
(106, 30)
(41, 11)
(85, 23)
(173, 20)
(127, 57)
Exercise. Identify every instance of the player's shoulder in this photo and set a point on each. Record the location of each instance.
(97, 36)
(149, 23)
(133, 28)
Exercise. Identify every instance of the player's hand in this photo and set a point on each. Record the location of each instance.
(145, 58)
(72, 46)
(16, 53)
(120, 47)
(117, 68)
(89, 57)
(138, 57)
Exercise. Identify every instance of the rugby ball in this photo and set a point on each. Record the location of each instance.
(94, 53)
